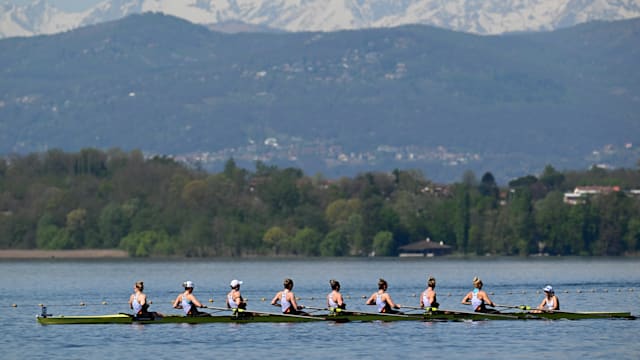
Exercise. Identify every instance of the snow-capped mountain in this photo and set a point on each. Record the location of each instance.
(481, 17)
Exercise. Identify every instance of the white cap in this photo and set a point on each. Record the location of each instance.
(548, 289)
(235, 283)
(188, 284)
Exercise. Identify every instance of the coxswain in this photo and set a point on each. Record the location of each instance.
(550, 301)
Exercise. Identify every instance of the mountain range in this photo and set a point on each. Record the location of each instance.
(338, 103)
(479, 17)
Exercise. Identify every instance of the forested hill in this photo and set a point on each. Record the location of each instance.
(341, 102)
(158, 207)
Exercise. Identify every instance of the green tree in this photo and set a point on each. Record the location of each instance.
(46, 233)
(463, 217)
(276, 239)
(306, 242)
(551, 215)
(521, 222)
(614, 212)
(77, 227)
(335, 244)
(113, 225)
(632, 237)
(552, 179)
(489, 189)
(147, 243)
(383, 244)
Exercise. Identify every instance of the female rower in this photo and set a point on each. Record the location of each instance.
(382, 300)
(139, 303)
(138, 300)
(428, 298)
(287, 300)
(188, 302)
(334, 299)
(478, 298)
(550, 301)
(234, 299)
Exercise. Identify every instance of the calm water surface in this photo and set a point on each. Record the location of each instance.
(581, 284)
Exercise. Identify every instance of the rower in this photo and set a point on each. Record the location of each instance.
(383, 300)
(138, 300)
(234, 299)
(188, 302)
(139, 303)
(287, 300)
(550, 301)
(428, 299)
(334, 299)
(478, 298)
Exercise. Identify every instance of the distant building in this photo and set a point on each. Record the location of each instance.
(580, 193)
(426, 248)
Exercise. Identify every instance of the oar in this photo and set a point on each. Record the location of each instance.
(218, 309)
(479, 314)
(285, 315)
(358, 312)
(264, 313)
(314, 308)
(426, 309)
(520, 307)
(383, 314)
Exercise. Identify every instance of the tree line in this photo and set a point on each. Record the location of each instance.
(160, 207)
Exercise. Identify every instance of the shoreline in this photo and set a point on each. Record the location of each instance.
(79, 254)
(64, 254)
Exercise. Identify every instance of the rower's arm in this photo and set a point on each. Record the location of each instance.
(371, 300)
(292, 300)
(466, 299)
(195, 301)
(487, 300)
(391, 303)
(276, 299)
(176, 303)
(431, 296)
(238, 299)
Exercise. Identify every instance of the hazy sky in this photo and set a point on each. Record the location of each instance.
(67, 5)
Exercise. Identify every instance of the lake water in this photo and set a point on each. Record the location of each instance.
(581, 285)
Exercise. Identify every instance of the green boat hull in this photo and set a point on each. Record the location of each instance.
(562, 315)
(174, 319)
(251, 317)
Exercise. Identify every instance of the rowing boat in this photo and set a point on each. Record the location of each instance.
(171, 319)
(251, 317)
(565, 315)
(454, 315)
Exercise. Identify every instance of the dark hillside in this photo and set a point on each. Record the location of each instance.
(412, 96)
